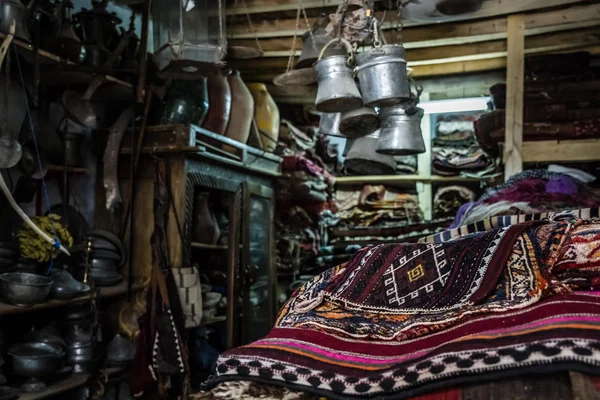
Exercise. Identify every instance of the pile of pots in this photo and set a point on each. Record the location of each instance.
(106, 255)
(9, 254)
(377, 110)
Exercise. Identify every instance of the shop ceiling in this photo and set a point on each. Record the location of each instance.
(470, 47)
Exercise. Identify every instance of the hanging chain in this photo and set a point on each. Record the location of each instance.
(293, 49)
(312, 38)
(250, 23)
(376, 41)
(342, 12)
(400, 7)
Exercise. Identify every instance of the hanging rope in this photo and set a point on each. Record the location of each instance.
(293, 49)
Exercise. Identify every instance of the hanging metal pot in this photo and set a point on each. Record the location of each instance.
(360, 122)
(330, 124)
(362, 159)
(313, 42)
(337, 90)
(401, 131)
(382, 75)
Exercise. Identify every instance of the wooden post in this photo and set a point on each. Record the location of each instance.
(515, 76)
(425, 189)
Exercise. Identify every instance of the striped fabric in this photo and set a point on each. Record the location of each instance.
(507, 220)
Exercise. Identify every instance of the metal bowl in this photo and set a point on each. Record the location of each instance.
(35, 360)
(65, 286)
(109, 254)
(24, 289)
(105, 264)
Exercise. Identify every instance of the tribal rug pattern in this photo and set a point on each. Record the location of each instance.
(497, 307)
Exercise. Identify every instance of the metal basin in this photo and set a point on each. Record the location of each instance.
(24, 289)
(35, 360)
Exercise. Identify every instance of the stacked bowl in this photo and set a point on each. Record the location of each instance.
(107, 255)
(9, 254)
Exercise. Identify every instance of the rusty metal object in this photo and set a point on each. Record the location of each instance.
(111, 158)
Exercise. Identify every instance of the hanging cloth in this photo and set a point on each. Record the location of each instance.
(160, 369)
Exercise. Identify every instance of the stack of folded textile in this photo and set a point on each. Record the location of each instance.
(561, 101)
(301, 193)
(455, 149)
(376, 206)
(297, 239)
(449, 199)
(553, 189)
(401, 320)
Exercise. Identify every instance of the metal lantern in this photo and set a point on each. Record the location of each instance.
(188, 34)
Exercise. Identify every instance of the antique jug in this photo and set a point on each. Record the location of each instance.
(66, 43)
(362, 159)
(360, 122)
(219, 98)
(382, 76)
(242, 109)
(401, 131)
(205, 227)
(14, 9)
(266, 115)
(337, 91)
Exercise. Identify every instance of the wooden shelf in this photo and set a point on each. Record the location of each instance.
(207, 246)
(58, 71)
(70, 170)
(72, 382)
(215, 320)
(105, 292)
(561, 150)
(397, 179)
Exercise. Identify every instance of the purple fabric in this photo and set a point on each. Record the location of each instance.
(562, 184)
(459, 214)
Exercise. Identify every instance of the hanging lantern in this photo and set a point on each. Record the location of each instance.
(188, 34)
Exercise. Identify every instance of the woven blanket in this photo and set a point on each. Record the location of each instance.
(399, 320)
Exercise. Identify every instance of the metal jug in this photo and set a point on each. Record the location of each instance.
(337, 90)
(382, 75)
(14, 9)
(330, 124)
(401, 131)
(360, 122)
(66, 43)
(362, 159)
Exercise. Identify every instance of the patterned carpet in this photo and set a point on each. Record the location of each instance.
(401, 320)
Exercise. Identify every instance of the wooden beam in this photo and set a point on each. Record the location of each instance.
(453, 86)
(467, 52)
(462, 67)
(576, 17)
(515, 78)
(557, 151)
(287, 27)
